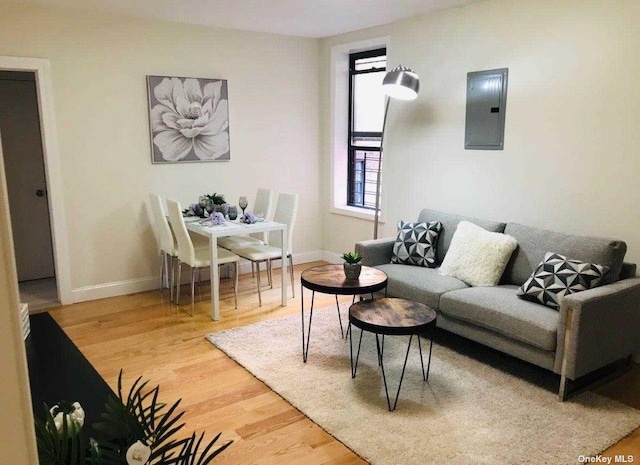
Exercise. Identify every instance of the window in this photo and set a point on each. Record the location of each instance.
(366, 115)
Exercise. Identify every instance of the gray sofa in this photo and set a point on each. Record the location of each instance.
(592, 329)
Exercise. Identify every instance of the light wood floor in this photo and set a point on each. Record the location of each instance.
(146, 336)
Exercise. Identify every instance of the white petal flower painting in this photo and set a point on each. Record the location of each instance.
(189, 119)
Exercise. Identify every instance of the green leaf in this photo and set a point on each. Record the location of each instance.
(126, 419)
(352, 257)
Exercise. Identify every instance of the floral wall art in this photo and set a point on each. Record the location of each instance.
(189, 119)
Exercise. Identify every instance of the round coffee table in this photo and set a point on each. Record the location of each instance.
(392, 317)
(330, 279)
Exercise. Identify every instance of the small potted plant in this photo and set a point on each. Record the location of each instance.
(352, 266)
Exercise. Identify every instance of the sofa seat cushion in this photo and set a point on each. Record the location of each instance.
(500, 310)
(424, 285)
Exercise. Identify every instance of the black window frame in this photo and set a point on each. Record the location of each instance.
(356, 175)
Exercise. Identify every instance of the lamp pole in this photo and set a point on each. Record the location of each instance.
(400, 83)
(379, 174)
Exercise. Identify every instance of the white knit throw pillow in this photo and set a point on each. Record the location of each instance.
(476, 256)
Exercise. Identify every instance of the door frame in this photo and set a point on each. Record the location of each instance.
(52, 167)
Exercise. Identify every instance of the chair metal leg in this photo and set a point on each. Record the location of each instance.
(293, 288)
(269, 274)
(172, 276)
(178, 282)
(193, 289)
(259, 285)
(199, 283)
(235, 283)
(163, 267)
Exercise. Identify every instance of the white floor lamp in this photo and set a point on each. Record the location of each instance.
(400, 83)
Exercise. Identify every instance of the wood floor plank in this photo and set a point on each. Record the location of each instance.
(145, 335)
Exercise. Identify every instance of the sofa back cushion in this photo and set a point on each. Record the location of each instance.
(449, 225)
(534, 243)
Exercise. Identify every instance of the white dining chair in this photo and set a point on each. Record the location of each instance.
(286, 212)
(166, 243)
(262, 207)
(195, 258)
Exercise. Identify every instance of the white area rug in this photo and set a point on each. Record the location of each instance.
(466, 413)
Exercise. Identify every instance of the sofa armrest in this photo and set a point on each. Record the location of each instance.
(628, 270)
(376, 251)
(598, 327)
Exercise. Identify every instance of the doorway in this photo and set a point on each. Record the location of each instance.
(27, 189)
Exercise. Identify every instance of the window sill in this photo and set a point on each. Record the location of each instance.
(356, 212)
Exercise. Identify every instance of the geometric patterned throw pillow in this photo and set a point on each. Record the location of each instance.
(416, 243)
(557, 276)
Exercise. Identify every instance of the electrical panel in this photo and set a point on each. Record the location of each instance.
(486, 109)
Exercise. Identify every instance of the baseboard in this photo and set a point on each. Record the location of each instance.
(113, 289)
(332, 257)
(132, 286)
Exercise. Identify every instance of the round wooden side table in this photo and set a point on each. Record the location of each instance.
(392, 317)
(330, 279)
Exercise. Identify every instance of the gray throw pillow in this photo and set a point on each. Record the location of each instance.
(557, 276)
(416, 243)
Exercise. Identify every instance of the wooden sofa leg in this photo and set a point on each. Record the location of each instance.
(565, 391)
(607, 374)
(562, 392)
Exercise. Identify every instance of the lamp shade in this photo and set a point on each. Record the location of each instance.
(401, 83)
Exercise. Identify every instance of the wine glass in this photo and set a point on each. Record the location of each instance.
(242, 203)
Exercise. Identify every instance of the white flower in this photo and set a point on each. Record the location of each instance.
(73, 414)
(138, 453)
(187, 118)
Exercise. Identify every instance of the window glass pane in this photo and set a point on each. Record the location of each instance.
(368, 102)
(370, 63)
(373, 141)
(367, 114)
(365, 177)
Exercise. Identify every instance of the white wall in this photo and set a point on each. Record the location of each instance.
(571, 142)
(99, 64)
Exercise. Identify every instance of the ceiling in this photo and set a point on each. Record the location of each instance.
(307, 18)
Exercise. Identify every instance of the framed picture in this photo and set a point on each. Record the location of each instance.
(188, 119)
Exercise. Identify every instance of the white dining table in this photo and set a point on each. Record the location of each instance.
(232, 228)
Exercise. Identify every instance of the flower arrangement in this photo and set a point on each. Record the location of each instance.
(139, 431)
(194, 210)
(209, 200)
(216, 218)
(248, 217)
(71, 414)
(206, 204)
